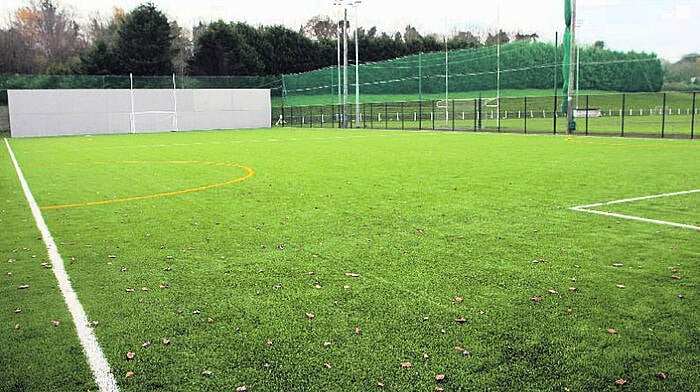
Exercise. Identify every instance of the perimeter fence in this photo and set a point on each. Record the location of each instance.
(665, 114)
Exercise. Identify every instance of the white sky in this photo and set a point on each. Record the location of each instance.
(669, 28)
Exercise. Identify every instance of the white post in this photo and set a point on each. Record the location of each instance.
(175, 103)
(131, 90)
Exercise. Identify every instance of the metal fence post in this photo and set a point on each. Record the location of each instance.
(622, 126)
(525, 115)
(692, 119)
(364, 115)
(554, 115)
(432, 114)
(420, 115)
(663, 118)
(386, 116)
(475, 115)
(284, 119)
(402, 115)
(587, 113)
(454, 114)
(371, 116)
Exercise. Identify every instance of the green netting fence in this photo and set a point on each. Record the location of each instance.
(455, 74)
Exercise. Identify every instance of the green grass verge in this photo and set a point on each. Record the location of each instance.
(422, 217)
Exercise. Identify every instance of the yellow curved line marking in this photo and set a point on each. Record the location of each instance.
(249, 173)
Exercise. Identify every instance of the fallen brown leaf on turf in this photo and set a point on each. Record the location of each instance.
(439, 389)
(675, 277)
(196, 311)
(55, 322)
(536, 298)
(573, 289)
(406, 364)
(144, 288)
(17, 310)
(358, 330)
(130, 355)
(552, 291)
(164, 286)
(326, 344)
(620, 382)
(461, 320)
(269, 342)
(611, 331)
(618, 265)
(93, 324)
(620, 286)
(458, 299)
(352, 274)
(540, 261)
(426, 356)
(242, 388)
(23, 287)
(662, 376)
(207, 373)
(129, 374)
(146, 344)
(674, 270)
(440, 378)
(380, 385)
(569, 311)
(166, 342)
(130, 290)
(681, 296)
(317, 286)
(346, 287)
(112, 256)
(210, 320)
(327, 365)
(309, 316)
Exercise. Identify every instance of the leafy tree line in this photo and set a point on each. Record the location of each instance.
(42, 38)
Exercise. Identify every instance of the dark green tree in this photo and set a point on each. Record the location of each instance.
(97, 59)
(144, 42)
(227, 49)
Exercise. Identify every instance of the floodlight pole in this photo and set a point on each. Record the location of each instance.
(355, 4)
(572, 72)
(340, 98)
(345, 68)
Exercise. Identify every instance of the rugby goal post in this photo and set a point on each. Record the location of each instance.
(161, 118)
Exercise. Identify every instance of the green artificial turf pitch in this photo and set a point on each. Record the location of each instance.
(348, 255)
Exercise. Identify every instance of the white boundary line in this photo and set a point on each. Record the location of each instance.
(95, 357)
(587, 208)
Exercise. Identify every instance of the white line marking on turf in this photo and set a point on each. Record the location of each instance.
(96, 358)
(588, 208)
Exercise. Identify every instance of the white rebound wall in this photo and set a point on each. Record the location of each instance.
(83, 112)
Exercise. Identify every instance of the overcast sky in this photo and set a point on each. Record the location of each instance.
(669, 28)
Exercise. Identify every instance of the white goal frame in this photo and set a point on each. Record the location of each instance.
(134, 113)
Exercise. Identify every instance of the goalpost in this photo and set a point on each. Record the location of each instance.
(154, 117)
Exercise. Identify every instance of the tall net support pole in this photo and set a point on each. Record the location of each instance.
(131, 92)
(175, 103)
(498, 67)
(570, 125)
(345, 68)
(357, 69)
(340, 97)
(447, 84)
